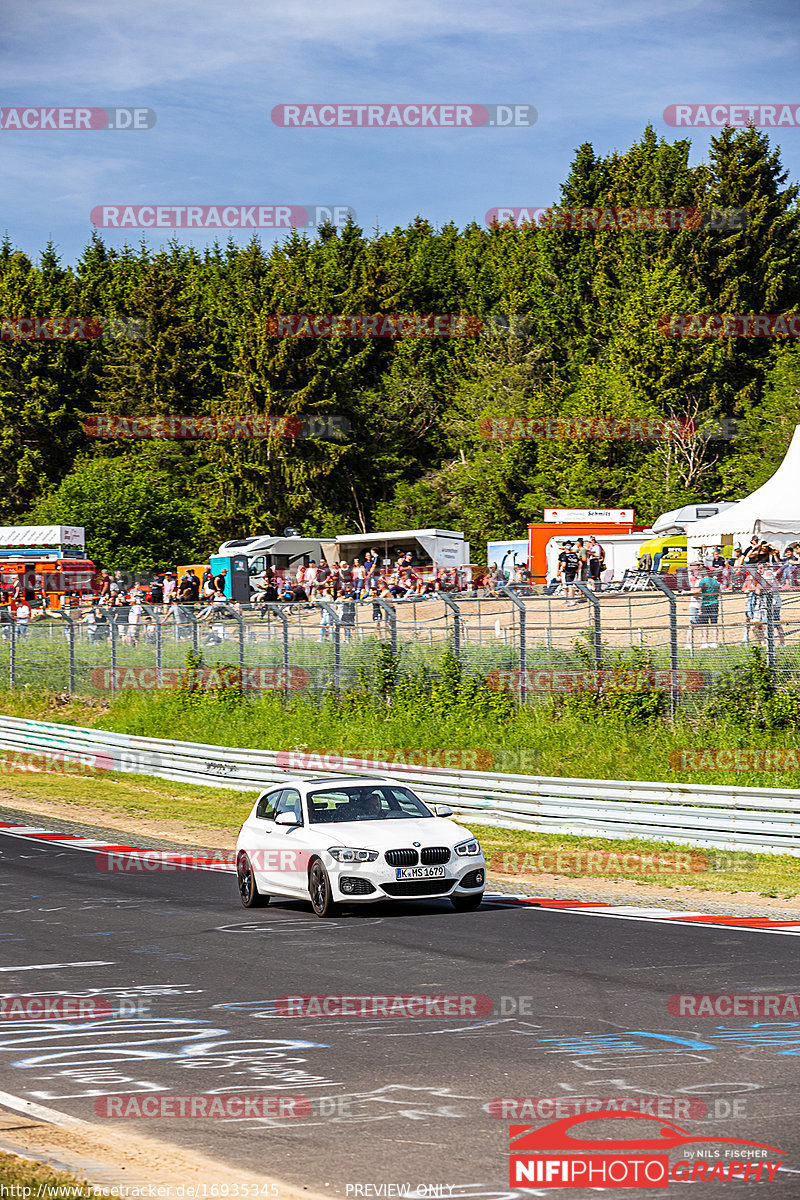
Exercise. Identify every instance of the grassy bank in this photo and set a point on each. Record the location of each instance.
(40, 1181)
(538, 740)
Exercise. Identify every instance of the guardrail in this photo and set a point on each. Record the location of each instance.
(766, 820)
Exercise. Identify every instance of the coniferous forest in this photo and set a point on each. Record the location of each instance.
(416, 454)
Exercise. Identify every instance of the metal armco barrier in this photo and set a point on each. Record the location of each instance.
(755, 819)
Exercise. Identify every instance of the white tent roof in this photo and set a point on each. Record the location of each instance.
(773, 510)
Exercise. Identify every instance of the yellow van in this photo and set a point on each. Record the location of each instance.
(670, 547)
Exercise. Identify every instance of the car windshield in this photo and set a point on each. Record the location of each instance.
(375, 802)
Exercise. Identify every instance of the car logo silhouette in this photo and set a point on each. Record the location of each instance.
(557, 1136)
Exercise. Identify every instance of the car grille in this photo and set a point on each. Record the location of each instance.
(401, 858)
(435, 855)
(352, 885)
(418, 887)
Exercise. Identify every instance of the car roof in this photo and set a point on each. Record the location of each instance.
(330, 780)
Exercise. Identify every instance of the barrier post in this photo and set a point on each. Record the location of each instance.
(594, 600)
(71, 646)
(658, 582)
(272, 606)
(451, 604)
(337, 645)
(522, 609)
(391, 621)
(770, 595)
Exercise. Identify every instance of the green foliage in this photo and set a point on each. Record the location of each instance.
(626, 690)
(751, 697)
(418, 453)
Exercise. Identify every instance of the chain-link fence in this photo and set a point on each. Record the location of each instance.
(531, 645)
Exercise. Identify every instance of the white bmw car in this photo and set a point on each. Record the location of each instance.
(357, 840)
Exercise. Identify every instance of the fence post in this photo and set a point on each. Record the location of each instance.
(157, 620)
(71, 645)
(273, 606)
(522, 609)
(391, 621)
(658, 582)
(195, 631)
(594, 600)
(240, 623)
(450, 602)
(112, 629)
(337, 645)
(770, 629)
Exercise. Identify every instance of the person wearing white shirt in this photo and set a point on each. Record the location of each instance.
(23, 616)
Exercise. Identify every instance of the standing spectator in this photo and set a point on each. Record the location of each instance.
(359, 578)
(567, 571)
(156, 593)
(597, 556)
(335, 580)
(311, 577)
(709, 589)
(105, 584)
(169, 586)
(346, 612)
(219, 580)
(135, 614)
(345, 575)
(325, 621)
(23, 616)
(583, 560)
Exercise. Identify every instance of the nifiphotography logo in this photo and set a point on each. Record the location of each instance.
(557, 1156)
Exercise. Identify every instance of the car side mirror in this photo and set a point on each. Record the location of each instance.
(287, 818)
(443, 810)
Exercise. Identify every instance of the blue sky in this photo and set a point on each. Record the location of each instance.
(595, 70)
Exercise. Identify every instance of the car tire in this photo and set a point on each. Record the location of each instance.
(466, 903)
(319, 890)
(249, 894)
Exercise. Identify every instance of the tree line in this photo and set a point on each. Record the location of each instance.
(571, 324)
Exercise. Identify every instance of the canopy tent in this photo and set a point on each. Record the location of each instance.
(771, 511)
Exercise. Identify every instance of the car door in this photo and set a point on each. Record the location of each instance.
(261, 835)
(286, 868)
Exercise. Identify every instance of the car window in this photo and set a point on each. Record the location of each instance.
(375, 802)
(290, 802)
(267, 804)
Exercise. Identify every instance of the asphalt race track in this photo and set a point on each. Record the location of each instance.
(580, 1008)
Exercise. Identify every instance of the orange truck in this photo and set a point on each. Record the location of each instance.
(44, 563)
(570, 524)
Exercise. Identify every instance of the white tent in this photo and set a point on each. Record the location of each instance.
(771, 511)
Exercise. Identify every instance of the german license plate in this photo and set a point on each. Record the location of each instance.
(419, 873)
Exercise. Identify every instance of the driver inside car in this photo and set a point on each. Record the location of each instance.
(368, 806)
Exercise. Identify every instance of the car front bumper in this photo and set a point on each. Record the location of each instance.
(462, 876)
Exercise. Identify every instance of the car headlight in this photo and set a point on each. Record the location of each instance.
(347, 855)
(470, 848)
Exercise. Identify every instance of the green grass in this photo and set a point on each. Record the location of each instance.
(43, 1182)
